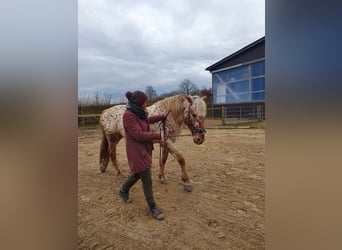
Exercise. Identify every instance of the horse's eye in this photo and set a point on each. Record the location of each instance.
(194, 115)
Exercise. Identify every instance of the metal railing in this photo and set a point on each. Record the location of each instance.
(225, 114)
(237, 113)
(245, 112)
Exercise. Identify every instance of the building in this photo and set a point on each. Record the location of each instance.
(238, 82)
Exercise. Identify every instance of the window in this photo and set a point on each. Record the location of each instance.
(258, 96)
(258, 69)
(232, 75)
(241, 84)
(258, 84)
(238, 87)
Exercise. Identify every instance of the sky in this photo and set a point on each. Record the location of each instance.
(130, 44)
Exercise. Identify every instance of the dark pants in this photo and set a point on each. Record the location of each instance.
(146, 184)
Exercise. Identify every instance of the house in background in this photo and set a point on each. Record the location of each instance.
(238, 82)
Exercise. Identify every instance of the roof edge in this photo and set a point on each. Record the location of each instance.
(237, 53)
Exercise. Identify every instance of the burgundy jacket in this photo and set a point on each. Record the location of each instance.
(139, 141)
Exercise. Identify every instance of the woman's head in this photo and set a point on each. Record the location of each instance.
(137, 97)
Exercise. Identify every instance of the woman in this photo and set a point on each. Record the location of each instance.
(139, 149)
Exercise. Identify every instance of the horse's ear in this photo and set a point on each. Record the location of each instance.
(189, 99)
(204, 98)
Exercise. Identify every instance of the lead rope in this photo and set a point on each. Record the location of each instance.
(162, 141)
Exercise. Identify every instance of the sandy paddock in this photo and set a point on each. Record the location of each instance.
(225, 209)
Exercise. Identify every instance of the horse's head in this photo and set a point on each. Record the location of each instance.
(194, 117)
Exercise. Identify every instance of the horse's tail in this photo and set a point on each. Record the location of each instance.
(104, 151)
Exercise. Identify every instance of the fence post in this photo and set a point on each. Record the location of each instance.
(223, 116)
(259, 116)
(83, 119)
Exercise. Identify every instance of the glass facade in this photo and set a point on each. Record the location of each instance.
(242, 84)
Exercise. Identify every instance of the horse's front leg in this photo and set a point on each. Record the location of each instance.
(163, 158)
(179, 157)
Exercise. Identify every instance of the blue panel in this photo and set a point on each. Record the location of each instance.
(244, 97)
(258, 84)
(231, 75)
(239, 73)
(237, 87)
(231, 99)
(216, 78)
(258, 69)
(222, 76)
(258, 96)
(237, 98)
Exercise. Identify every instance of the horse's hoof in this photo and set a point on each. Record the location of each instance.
(187, 187)
(102, 169)
(163, 181)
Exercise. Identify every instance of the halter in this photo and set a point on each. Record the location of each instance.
(190, 124)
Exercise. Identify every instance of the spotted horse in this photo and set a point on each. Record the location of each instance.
(180, 109)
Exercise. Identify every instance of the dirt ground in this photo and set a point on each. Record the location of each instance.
(225, 210)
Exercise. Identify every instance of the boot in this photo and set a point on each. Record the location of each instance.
(124, 195)
(156, 213)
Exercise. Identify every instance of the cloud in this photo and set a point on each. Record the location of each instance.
(131, 44)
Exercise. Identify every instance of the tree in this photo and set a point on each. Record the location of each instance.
(188, 87)
(209, 94)
(150, 92)
(206, 92)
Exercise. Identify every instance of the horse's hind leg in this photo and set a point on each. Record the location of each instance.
(114, 140)
(104, 153)
(165, 154)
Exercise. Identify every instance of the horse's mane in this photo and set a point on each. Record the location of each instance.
(174, 103)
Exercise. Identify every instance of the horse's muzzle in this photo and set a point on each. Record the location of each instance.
(198, 132)
(198, 136)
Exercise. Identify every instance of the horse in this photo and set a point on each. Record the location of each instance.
(180, 109)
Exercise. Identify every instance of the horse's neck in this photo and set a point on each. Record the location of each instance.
(175, 119)
(178, 115)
